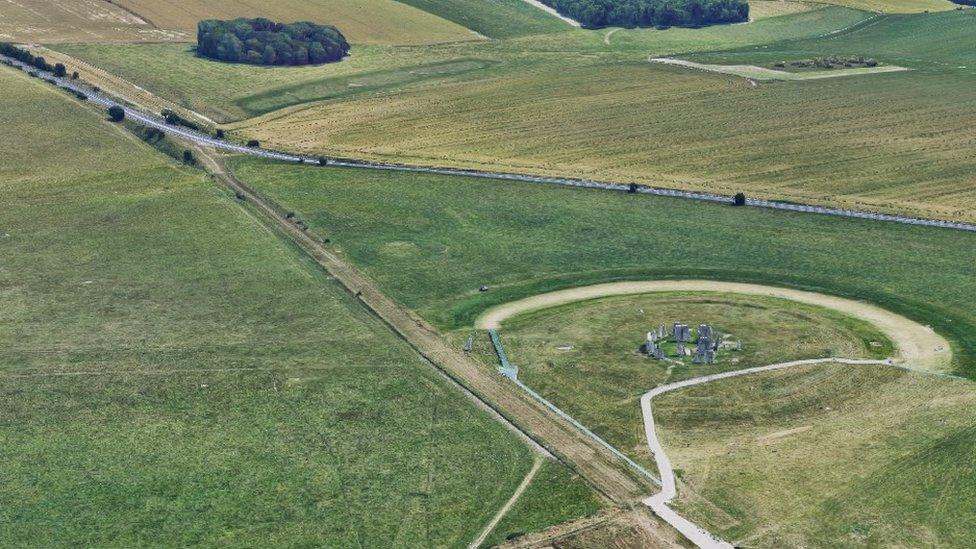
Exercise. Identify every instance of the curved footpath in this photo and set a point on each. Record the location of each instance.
(659, 502)
(915, 344)
(202, 138)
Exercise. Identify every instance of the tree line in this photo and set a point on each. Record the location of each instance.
(651, 13)
(263, 42)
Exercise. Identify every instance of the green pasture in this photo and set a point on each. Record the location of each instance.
(432, 241)
(826, 456)
(493, 18)
(175, 374)
(585, 358)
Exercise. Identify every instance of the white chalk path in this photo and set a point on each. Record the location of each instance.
(659, 502)
(918, 345)
(552, 11)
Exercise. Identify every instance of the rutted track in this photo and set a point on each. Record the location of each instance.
(206, 139)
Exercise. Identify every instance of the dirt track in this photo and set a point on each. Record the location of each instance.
(604, 471)
(918, 346)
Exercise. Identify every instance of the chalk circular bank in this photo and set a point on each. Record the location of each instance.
(916, 347)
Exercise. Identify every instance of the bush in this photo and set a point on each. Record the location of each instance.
(116, 113)
(253, 143)
(74, 75)
(739, 199)
(219, 134)
(264, 42)
(174, 119)
(651, 13)
(188, 157)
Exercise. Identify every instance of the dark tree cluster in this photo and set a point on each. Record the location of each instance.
(27, 57)
(174, 119)
(651, 13)
(264, 42)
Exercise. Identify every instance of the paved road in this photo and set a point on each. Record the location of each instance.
(659, 502)
(155, 121)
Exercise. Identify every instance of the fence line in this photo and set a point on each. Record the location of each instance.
(511, 372)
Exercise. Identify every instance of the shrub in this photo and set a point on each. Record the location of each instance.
(253, 143)
(74, 75)
(219, 134)
(59, 70)
(264, 42)
(739, 199)
(116, 113)
(188, 157)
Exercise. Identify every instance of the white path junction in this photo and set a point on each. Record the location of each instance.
(659, 502)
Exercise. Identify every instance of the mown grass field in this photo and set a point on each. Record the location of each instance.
(431, 241)
(363, 21)
(897, 142)
(832, 456)
(229, 92)
(77, 20)
(552, 494)
(600, 379)
(174, 374)
(494, 18)
(896, 6)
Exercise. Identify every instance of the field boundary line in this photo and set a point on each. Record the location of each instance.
(201, 138)
(490, 527)
(544, 432)
(511, 372)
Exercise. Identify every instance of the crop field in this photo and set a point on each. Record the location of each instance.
(362, 21)
(431, 241)
(584, 356)
(629, 121)
(494, 18)
(76, 20)
(896, 6)
(99, 21)
(227, 92)
(826, 457)
(232, 92)
(173, 373)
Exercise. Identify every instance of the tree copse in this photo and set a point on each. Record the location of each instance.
(264, 42)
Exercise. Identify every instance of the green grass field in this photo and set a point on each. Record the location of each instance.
(834, 456)
(174, 374)
(494, 18)
(600, 378)
(431, 241)
(552, 494)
